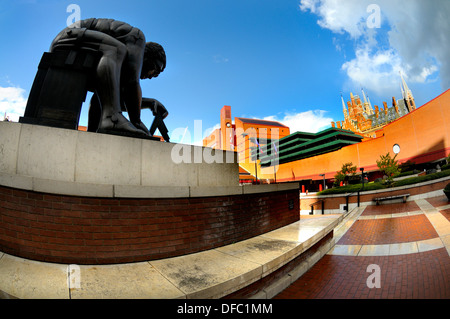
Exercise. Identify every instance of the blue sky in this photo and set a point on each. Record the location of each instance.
(283, 60)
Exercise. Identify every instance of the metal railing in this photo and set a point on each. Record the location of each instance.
(348, 197)
(319, 201)
(346, 207)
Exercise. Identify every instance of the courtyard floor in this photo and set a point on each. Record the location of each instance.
(391, 251)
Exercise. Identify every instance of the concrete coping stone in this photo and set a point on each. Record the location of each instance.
(133, 191)
(55, 154)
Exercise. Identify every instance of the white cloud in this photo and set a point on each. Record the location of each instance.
(13, 102)
(378, 71)
(312, 121)
(417, 34)
(339, 16)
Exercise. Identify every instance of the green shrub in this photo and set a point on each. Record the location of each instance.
(420, 179)
(374, 186)
(445, 167)
(352, 188)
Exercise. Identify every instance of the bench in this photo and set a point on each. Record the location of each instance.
(380, 199)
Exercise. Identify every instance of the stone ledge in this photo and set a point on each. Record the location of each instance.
(133, 191)
(89, 158)
(210, 274)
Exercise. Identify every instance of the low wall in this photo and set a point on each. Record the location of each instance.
(335, 203)
(77, 197)
(86, 230)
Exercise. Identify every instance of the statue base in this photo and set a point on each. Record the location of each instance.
(86, 198)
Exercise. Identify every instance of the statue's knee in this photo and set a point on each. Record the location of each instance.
(116, 53)
(121, 52)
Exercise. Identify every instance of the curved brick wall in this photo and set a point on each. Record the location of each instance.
(83, 230)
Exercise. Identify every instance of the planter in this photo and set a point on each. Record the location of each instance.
(447, 193)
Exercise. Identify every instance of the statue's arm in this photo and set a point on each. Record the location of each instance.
(155, 106)
(131, 87)
(132, 98)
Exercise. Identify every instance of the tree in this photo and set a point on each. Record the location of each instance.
(389, 166)
(342, 176)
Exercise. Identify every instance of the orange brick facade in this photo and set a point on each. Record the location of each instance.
(423, 136)
(241, 137)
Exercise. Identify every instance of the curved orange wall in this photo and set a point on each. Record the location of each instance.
(423, 136)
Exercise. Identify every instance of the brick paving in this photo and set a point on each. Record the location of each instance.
(391, 209)
(389, 231)
(420, 275)
(446, 213)
(438, 201)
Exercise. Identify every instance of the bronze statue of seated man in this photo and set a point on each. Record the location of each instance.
(126, 58)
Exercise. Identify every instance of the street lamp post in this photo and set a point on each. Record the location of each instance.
(362, 176)
(323, 175)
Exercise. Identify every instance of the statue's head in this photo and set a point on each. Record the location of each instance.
(154, 61)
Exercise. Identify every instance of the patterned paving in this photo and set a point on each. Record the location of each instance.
(423, 275)
(389, 231)
(394, 208)
(446, 213)
(390, 251)
(438, 201)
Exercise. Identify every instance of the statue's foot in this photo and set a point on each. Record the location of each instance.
(117, 124)
(141, 126)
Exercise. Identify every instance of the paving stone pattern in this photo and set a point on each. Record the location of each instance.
(413, 275)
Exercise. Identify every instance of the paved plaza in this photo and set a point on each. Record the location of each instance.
(391, 251)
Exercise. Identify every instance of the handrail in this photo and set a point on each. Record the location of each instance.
(347, 199)
(319, 201)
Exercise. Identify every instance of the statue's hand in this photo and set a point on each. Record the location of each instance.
(155, 106)
(148, 103)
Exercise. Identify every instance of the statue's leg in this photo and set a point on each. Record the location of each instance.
(107, 83)
(95, 114)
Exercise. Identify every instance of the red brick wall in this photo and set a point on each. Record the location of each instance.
(81, 230)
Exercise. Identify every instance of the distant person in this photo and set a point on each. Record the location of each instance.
(126, 59)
